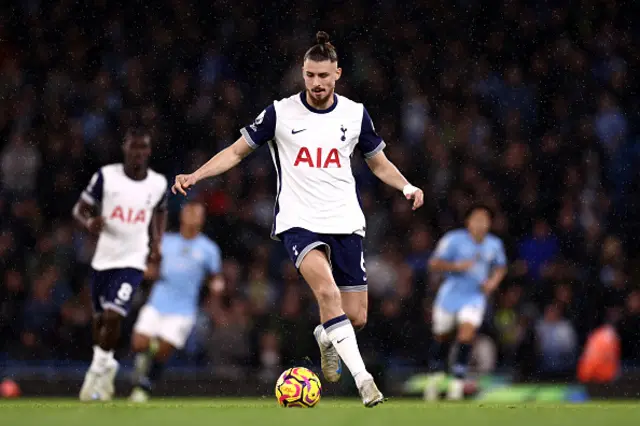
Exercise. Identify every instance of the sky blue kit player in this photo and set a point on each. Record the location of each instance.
(189, 260)
(473, 263)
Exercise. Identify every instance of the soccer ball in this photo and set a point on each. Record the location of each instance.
(298, 387)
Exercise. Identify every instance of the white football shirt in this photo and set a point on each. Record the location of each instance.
(311, 150)
(127, 206)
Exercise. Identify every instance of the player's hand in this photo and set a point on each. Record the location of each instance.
(183, 183)
(464, 265)
(152, 272)
(416, 195)
(95, 225)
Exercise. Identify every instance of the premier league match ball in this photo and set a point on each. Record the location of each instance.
(298, 387)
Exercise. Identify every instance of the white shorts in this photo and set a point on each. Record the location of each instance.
(171, 328)
(444, 322)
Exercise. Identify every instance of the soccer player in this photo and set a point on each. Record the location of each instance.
(189, 259)
(125, 205)
(311, 136)
(474, 264)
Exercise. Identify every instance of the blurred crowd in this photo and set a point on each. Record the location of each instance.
(531, 107)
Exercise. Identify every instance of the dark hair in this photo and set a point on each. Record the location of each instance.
(136, 132)
(323, 50)
(478, 206)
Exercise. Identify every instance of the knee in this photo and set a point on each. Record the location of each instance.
(139, 343)
(111, 321)
(466, 334)
(443, 338)
(359, 320)
(165, 350)
(329, 295)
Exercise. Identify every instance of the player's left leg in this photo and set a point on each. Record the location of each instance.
(469, 320)
(144, 344)
(172, 333)
(355, 304)
(443, 325)
(152, 370)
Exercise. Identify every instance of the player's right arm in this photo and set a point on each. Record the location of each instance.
(223, 161)
(85, 211)
(261, 131)
(443, 259)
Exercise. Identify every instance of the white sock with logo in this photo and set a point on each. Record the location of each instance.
(343, 337)
(101, 360)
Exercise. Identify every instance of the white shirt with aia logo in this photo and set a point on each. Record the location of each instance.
(127, 206)
(311, 150)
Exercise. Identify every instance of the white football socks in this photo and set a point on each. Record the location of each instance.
(324, 338)
(343, 337)
(101, 360)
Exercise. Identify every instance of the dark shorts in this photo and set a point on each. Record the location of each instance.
(113, 289)
(344, 252)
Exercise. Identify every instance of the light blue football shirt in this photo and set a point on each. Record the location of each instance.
(186, 263)
(461, 289)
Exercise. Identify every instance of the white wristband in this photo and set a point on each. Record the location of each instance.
(409, 189)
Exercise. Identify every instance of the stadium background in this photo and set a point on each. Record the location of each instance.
(530, 106)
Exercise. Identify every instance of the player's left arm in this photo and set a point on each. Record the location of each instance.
(158, 226)
(372, 145)
(388, 173)
(498, 272)
(215, 282)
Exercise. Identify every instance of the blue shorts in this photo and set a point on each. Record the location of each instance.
(344, 252)
(113, 289)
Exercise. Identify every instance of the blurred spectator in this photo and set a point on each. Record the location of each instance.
(557, 341)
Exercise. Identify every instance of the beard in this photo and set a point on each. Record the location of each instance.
(321, 98)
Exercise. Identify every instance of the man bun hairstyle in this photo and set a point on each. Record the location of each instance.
(323, 50)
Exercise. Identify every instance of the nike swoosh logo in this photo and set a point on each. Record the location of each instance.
(294, 132)
(340, 341)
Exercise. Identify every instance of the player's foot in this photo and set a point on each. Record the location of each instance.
(139, 395)
(371, 395)
(329, 358)
(89, 391)
(456, 390)
(105, 384)
(432, 389)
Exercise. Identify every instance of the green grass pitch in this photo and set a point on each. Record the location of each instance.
(254, 412)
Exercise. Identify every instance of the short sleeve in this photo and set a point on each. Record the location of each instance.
(263, 128)
(214, 260)
(163, 203)
(501, 257)
(369, 142)
(93, 192)
(445, 249)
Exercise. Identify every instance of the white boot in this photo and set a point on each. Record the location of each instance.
(456, 390)
(432, 389)
(89, 391)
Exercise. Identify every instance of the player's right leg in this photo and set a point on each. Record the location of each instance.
(316, 271)
(299, 242)
(87, 391)
(443, 324)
